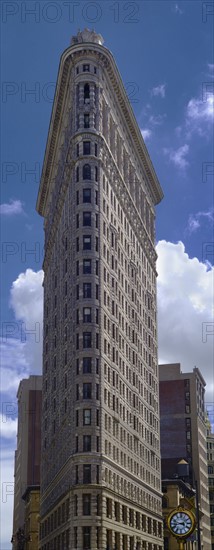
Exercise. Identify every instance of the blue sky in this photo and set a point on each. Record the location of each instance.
(163, 50)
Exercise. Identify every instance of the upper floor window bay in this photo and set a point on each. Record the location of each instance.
(86, 93)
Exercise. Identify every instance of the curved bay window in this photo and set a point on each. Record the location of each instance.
(86, 93)
(86, 173)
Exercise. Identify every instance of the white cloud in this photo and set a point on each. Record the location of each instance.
(7, 487)
(201, 110)
(210, 67)
(11, 208)
(159, 90)
(8, 426)
(200, 114)
(157, 120)
(20, 358)
(195, 221)
(178, 10)
(27, 304)
(185, 302)
(178, 156)
(146, 133)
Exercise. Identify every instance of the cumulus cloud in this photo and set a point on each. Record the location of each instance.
(27, 304)
(146, 133)
(185, 316)
(178, 156)
(21, 355)
(195, 221)
(11, 208)
(159, 90)
(200, 114)
(8, 427)
(198, 110)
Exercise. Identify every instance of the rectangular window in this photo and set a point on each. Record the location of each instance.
(77, 197)
(86, 196)
(86, 68)
(77, 366)
(86, 218)
(86, 120)
(77, 392)
(77, 340)
(97, 365)
(86, 147)
(97, 340)
(77, 244)
(86, 443)
(86, 417)
(95, 149)
(76, 474)
(86, 536)
(77, 417)
(86, 266)
(77, 221)
(87, 340)
(87, 361)
(87, 390)
(75, 537)
(97, 391)
(86, 505)
(86, 290)
(98, 417)
(87, 315)
(86, 473)
(86, 242)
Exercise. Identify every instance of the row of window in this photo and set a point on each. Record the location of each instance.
(86, 446)
(56, 519)
(128, 541)
(83, 474)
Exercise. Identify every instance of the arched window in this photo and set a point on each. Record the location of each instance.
(86, 172)
(86, 93)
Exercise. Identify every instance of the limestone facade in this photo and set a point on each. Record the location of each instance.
(101, 482)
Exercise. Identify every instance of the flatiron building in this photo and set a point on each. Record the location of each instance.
(100, 476)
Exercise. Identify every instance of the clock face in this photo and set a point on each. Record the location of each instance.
(181, 523)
